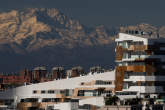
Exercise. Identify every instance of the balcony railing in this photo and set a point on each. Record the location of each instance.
(138, 47)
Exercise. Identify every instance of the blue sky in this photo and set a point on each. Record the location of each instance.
(96, 12)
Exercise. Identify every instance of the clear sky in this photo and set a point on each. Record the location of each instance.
(96, 12)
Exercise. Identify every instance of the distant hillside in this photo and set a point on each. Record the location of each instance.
(40, 36)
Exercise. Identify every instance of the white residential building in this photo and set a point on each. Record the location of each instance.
(140, 70)
(41, 95)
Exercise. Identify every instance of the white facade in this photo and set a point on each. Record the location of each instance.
(135, 49)
(127, 37)
(64, 106)
(97, 101)
(27, 91)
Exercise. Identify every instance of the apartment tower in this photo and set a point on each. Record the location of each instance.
(140, 59)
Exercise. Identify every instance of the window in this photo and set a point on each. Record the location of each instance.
(22, 100)
(68, 92)
(55, 100)
(143, 83)
(50, 91)
(88, 93)
(1, 80)
(100, 82)
(125, 86)
(123, 44)
(126, 93)
(43, 92)
(126, 55)
(108, 82)
(34, 92)
(95, 93)
(30, 100)
(62, 91)
(46, 100)
(136, 32)
(81, 93)
(127, 74)
(82, 83)
(108, 93)
(57, 92)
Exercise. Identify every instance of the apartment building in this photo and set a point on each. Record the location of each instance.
(38, 74)
(140, 64)
(58, 73)
(139, 72)
(87, 89)
(15, 80)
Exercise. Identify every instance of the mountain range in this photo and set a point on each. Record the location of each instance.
(45, 36)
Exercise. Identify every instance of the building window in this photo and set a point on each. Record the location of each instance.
(1, 80)
(88, 93)
(46, 100)
(82, 83)
(34, 92)
(123, 44)
(81, 93)
(126, 55)
(100, 82)
(125, 86)
(55, 100)
(108, 93)
(126, 93)
(50, 91)
(126, 75)
(143, 83)
(62, 91)
(43, 92)
(109, 83)
(22, 100)
(30, 100)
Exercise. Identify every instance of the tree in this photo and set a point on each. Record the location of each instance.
(112, 100)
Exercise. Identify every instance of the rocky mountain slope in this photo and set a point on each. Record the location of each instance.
(31, 29)
(40, 36)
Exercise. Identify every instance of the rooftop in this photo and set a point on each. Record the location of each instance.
(40, 68)
(140, 33)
